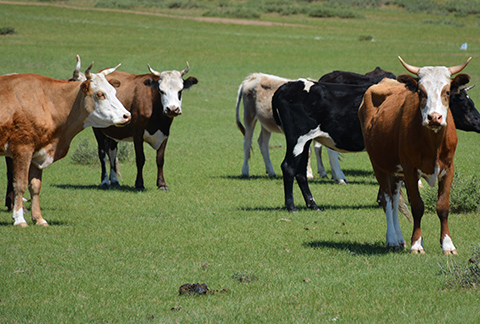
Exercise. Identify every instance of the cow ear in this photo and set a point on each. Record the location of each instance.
(115, 83)
(409, 81)
(85, 87)
(458, 81)
(189, 82)
(151, 83)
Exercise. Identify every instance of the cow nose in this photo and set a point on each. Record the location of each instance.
(434, 119)
(174, 111)
(127, 118)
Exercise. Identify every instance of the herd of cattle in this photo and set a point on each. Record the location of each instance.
(402, 122)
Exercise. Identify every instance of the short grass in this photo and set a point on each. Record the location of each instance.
(120, 255)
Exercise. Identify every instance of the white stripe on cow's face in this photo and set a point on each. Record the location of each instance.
(434, 90)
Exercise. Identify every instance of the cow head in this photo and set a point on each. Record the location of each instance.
(434, 91)
(466, 116)
(170, 85)
(101, 101)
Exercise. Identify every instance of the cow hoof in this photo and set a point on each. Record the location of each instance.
(450, 252)
(104, 186)
(323, 175)
(415, 251)
(23, 224)
(342, 182)
(114, 184)
(164, 188)
(42, 223)
(140, 188)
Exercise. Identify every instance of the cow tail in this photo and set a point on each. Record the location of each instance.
(237, 109)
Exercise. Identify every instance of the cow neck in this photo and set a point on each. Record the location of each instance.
(73, 115)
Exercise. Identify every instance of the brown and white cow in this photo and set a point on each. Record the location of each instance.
(39, 117)
(154, 100)
(409, 133)
(257, 91)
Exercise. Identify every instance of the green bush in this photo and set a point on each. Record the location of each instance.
(86, 154)
(7, 30)
(464, 195)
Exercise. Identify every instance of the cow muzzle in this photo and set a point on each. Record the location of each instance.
(173, 111)
(126, 120)
(435, 121)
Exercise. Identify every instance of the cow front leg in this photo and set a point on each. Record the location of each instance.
(112, 149)
(35, 185)
(418, 208)
(160, 161)
(102, 147)
(301, 176)
(140, 161)
(443, 203)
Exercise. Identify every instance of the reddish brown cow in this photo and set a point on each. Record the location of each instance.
(154, 100)
(39, 117)
(409, 133)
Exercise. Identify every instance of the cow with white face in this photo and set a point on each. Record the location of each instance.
(154, 100)
(39, 117)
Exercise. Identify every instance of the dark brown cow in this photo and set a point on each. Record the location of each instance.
(154, 100)
(409, 133)
(39, 117)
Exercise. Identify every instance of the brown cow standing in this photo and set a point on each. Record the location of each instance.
(39, 117)
(409, 133)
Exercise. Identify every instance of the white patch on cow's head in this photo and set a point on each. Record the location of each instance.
(107, 110)
(170, 86)
(434, 91)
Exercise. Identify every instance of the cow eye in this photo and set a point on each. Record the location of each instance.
(100, 95)
(180, 95)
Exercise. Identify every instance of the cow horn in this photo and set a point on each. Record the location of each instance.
(468, 88)
(76, 72)
(152, 70)
(455, 69)
(108, 71)
(186, 69)
(88, 75)
(410, 68)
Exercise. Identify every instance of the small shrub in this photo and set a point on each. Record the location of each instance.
(465, 276)
(366, 38)
(7, 30)
(464, 195)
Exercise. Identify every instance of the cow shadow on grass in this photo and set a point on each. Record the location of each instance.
(323, 207)
(377, 248)
(97, 187)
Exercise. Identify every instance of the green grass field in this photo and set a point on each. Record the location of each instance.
(115, 256)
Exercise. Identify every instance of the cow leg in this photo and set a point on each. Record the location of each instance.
(309, 166)
(418, 207)
(337, 173)
(443, 203)
(102, 147)
(21, 163)
(35, 184)
(112, 149)
(160, 161)
(301, 176)
(263, 141)
(247, 145)
(140, 161)
(10, 194)
(318, 154)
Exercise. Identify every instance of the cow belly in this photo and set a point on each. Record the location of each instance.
(154, 140)
(42, 159)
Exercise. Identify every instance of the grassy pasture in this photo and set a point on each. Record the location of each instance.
(121, 255)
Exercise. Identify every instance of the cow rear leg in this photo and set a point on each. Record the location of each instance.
(102, 147)
(337, 173)
(112, 149)
(160, 162)
(390, 188)
(140, 161)
(318, 153)
(263, 140)
(34, 188)
(247, 146)
(9, 196)
(20, 168)
(418, 207)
